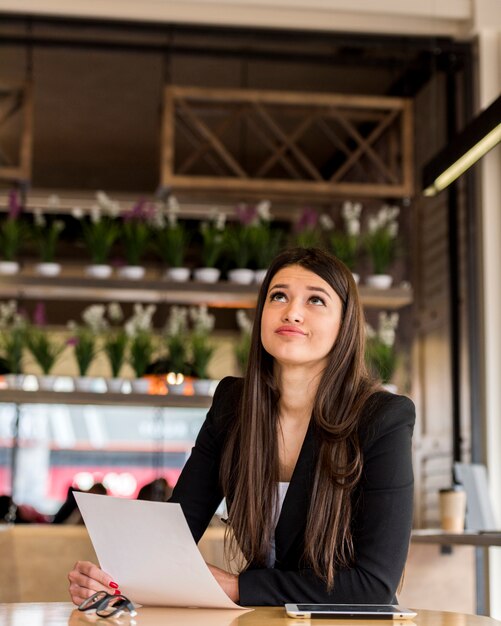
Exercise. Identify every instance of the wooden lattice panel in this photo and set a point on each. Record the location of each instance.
(284, 143)
(16, 134)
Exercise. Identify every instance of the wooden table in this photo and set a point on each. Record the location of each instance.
(64, 614)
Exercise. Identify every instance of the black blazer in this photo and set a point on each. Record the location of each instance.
(382, 506)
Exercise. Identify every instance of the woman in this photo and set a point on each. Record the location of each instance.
(313, 457)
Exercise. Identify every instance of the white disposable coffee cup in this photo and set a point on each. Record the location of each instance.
(452, 509)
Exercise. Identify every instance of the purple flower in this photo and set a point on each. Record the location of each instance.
(39, 317)
(15, 207)
(142, 211)
(73, 341)
(307, 221)
(246, 214)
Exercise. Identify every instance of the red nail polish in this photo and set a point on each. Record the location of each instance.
(117, 592)
(114, 585)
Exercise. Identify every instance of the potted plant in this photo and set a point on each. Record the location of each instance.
(139, 331)
(345, 243)
(171, 240)
(12, 233)
(201, 348)
(13, 329)
(44, 348)
(46, 235)
(135, 232)
(381, 245)
(264, 240)
(115, 345)
(238, 244)
(380, 353)
(242, 347)
(306, 231)
(100, 232)
(212, 231)
(84, 342)
(175, 338)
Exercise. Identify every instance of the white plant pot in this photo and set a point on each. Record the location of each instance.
(14, 381)
(208, 275)
(380, 281)
(176, 390)
(8, 268)
(98, 270)
(85, 383)
(114, 385)
(48, 269)
(46, 382)
(202, 386)
(356, 277)
(259, 276)
(178, 274)
(241, 276)
(140, 385)
(132, 272)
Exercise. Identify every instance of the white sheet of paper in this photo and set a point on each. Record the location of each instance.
(148, 549)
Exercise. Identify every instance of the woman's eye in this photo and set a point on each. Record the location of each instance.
(278, 296)
(317, 300)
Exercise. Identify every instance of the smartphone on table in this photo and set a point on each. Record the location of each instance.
(350, 611)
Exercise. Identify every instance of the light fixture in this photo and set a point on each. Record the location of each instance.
(464, 150)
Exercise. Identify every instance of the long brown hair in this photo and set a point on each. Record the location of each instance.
(250, 463)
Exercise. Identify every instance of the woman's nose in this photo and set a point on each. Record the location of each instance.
(293, 313)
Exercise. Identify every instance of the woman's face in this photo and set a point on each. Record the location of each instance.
(301, 318)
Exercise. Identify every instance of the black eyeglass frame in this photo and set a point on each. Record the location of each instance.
(101, 602)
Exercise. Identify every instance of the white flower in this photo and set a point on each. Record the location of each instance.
(177, 322)
(351, 210)
(77, 213)
(326, 222)
(107, 205)
(141, 320)
(115, 312)
(263, 210)
(387, 327)
(8, 311)
(353, 227)
(173, 205)
(203, 322)
(93, 316)
(39, 218)
(244, 323)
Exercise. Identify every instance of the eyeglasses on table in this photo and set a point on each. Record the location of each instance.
(105, 604)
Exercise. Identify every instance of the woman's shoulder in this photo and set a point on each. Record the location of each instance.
(228, 388)
(383, 412)
(227, 397)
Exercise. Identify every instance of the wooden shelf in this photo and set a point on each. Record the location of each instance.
(467, 538)
(16, 396)
(153, 290)
(222, 294)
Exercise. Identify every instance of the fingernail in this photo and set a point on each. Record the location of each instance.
(114, 585)
(117, 592)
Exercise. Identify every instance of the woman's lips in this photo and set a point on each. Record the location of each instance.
(290, 330)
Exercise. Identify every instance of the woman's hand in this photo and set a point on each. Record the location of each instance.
(228, 582)
(86, 578)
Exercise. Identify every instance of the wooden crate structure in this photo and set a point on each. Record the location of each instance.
(16, 133)
(303, 145)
